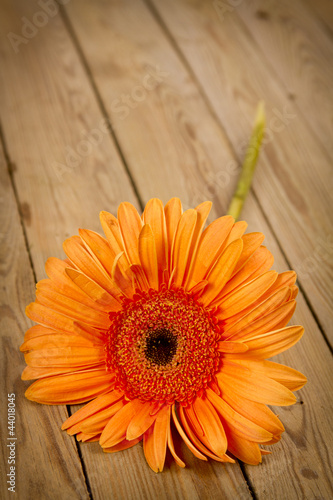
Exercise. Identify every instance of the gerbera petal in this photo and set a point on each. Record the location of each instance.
(274, 320)
(248, 385)
(289, 377)
(256, 412)
(65, 356)
(221, 272)
(72, 308)
(130, 225)
(236, 232)
(148, 256)
(89, 409)
(71, 389)
(140, 277)
(115, 430)
(246, 295)
(232, 347)
(247, 451)
(245, 319)
(251, 242)
(202, 213)
(173, 212)
(172, 449)
(242, 426)
(154, 216)
(33, 373)
(93, 290)
(141, 422)
(111, 229)
(160, 436)
(123, 445)
(209, 246)
(84, 261)
(96, 423)
(100, 247)
(37, 331)
(182, 245)
(122, 278)
(270, 344)
(259, 263)
(211, 426)
(191, 434)
(184, 437)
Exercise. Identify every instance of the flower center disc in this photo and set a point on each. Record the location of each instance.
(162, 346)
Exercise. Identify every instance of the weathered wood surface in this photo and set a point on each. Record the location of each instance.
(180, 133)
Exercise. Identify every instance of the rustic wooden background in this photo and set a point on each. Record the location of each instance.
(103, 101)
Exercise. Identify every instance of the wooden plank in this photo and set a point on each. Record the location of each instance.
(323, 9)
(158, 154)
(293, 181)
(41, 127)
(300, 55)
(42, 457)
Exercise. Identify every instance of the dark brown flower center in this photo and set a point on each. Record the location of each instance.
(161, 346)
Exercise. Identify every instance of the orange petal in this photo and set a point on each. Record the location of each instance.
(172, 449)
(148, 255)
(246, 319)
(65, 356)
(72, 308)
(116, 429)
(89, 409)
(111, 229)
(209, 247)
(87, 263)
(202, 213)
(212, 427)
(96, 423)
(236, 232)
(141, 280)
(71, 389)
(270, 344)
(140, 422)
(239, 424)
(256, 412)
(247, 451)
(274, 320)
(154, 216)
(123, 445)
(100, 248)
(37, 331)
(173, 211)
(249, 385)
(130, 225)
(191, 434)
(182, 245)
(221, 272)
(246, 295)
(160, 436)
(259, 263)
(251, 242)
(231, 347)
(93, 290)
(289, 377)
(185, 438)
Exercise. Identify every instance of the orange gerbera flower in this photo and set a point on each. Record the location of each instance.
(161, 321)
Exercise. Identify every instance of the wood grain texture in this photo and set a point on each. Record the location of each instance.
(172, 145)
(294, 178)
(44, 460)
(300, 55)
(323, 9)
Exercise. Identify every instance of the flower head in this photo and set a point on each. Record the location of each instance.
(160, 322)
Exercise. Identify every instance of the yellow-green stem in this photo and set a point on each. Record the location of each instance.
(249, 164)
